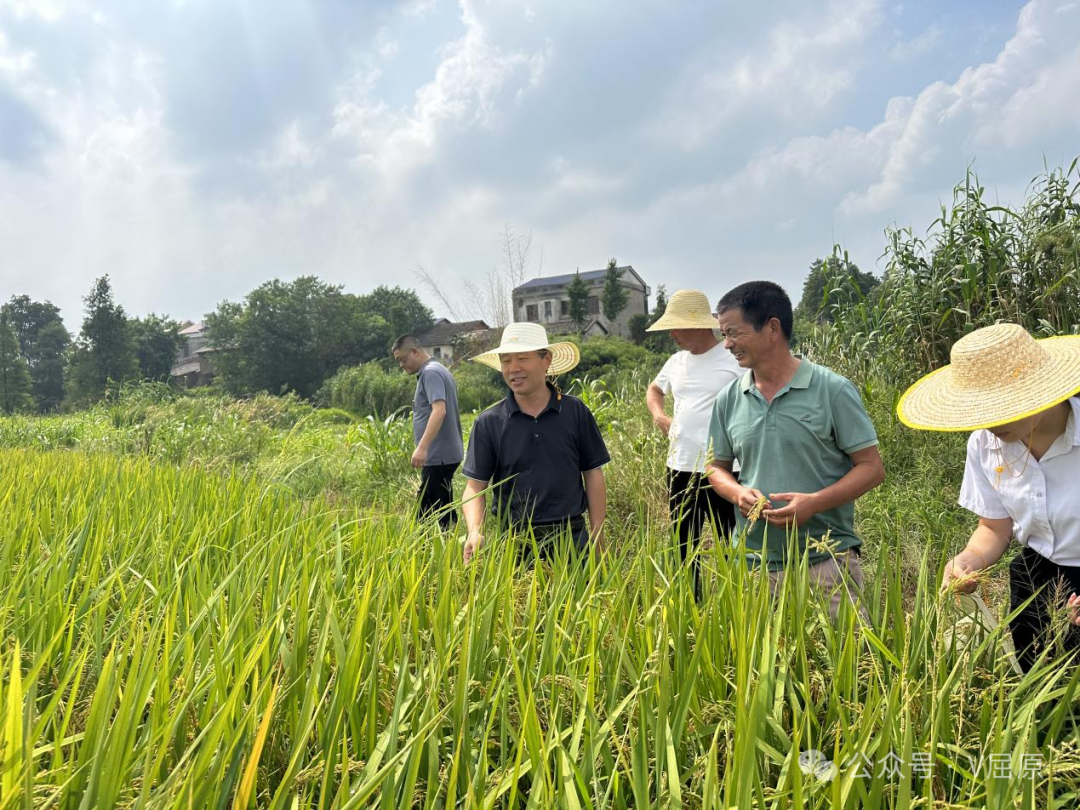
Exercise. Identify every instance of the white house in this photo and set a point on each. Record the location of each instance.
(545, 300)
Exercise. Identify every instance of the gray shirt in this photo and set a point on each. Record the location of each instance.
(434, 383)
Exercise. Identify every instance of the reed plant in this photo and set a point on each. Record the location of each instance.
(977, 264)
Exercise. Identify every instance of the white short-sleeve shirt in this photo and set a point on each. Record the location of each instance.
(1003, 480)
(694, 380)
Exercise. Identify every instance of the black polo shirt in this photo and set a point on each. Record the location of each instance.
(536, 464)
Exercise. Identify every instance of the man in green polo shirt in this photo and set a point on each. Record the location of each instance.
(806, 446)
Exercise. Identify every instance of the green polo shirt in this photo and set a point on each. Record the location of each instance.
(801, 442)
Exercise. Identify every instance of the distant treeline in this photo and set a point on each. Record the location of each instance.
(284, 336)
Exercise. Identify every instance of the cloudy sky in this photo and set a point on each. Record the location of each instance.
(195, 148)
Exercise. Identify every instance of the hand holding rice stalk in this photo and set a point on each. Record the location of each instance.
(965, 582)
(755, 512)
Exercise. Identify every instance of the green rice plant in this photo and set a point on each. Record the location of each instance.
(173, 638)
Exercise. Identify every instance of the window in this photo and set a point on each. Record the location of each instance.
(592, 305)
(564, 308)
(547, 310)
(438, 352)
(531, 313)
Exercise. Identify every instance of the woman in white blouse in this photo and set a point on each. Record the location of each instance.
(1022, 475)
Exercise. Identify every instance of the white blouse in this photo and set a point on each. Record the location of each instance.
(1003, 480)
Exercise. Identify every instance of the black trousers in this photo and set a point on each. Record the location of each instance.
(437, 493)
(551, 540)
(1030, 572)
(692, 501)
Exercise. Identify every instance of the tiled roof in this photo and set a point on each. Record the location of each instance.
(589, 275)
(443, 332)
(544, 281)
(566, 326)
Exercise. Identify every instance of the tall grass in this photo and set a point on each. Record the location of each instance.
(978, 264)
(176, 639)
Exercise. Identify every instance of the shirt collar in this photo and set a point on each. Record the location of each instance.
(554, 402)
(1072, 428)
(802, 377)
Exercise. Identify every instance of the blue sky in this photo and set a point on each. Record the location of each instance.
(195, 148)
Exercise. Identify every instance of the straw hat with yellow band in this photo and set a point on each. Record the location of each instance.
(531, 337)
(686, 309)
(999, 374)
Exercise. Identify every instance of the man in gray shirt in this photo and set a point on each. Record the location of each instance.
(436, 429)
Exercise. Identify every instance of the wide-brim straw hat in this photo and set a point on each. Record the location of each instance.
(531, 337)
(686, 309)
(998, 374)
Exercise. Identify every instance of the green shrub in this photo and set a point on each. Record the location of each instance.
(603, 357)
(478, 386)
(368, 389)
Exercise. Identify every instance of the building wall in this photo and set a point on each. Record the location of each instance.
(192, 366)
(551, 304)
(444, 353)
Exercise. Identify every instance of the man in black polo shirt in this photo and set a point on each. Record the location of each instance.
(541, 449)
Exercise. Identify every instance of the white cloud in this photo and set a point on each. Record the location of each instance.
(15, 63)
(469, 89)
(919, 45)
(290, 150)
(1046, 105)
(385, 45)
(48, 10)
(967, 116)
(703, 149)
(798, 68)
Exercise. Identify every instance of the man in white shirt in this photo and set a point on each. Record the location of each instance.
(694, 376)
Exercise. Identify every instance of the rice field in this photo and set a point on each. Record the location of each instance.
(252, 619)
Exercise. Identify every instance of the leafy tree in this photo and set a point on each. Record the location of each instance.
(639, 323)
(48, 372)
(578, 293)
(825, 276)
(292, 336)
(104, 351)
(613, 298)
(14, 374)
(659, 342)
(157, 341)
(402, 309)
(44, 342)
(661, 305)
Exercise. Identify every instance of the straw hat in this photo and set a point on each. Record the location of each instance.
(531, 337)
(998, 375)
(686, 309)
